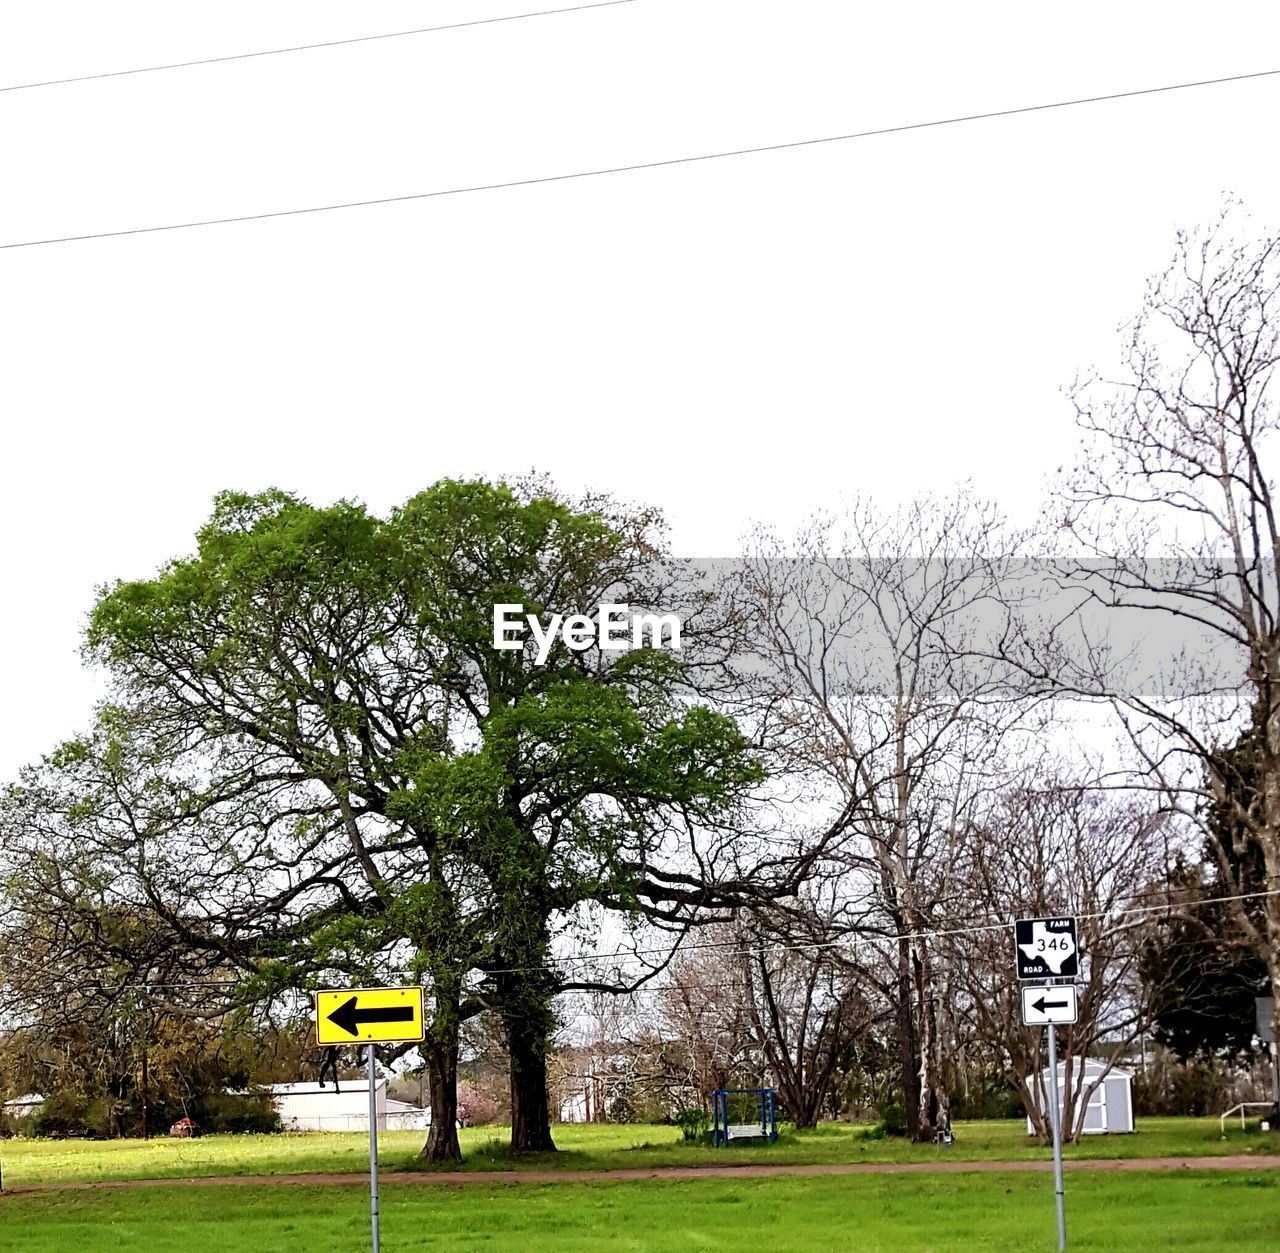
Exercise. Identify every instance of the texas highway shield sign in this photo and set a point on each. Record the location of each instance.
(369, 1016)
(1045, 948)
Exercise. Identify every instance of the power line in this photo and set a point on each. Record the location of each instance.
(735, 948)
(643, 165)
(328, 43)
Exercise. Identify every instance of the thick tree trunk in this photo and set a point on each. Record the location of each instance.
(802, 1100)
(805, 1113)
(442, 1145)
(1271, 905)
(530, 1108)
(1037, 1110)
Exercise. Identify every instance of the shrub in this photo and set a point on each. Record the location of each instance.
(693, 1122)
(62, 1114)
(229, 1112)
(893, 1118)
(991, 1097)
(621, 1110)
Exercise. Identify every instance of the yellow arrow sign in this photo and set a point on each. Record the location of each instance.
(369, 1015)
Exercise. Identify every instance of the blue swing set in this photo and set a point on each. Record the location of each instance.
(760, 1102)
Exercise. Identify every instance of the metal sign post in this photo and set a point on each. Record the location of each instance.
(363, 1016)
(1047, 949)
(1055, 1121)
(373, 1148)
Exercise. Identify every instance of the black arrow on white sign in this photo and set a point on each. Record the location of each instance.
(1041, 1006)
(350, 1017)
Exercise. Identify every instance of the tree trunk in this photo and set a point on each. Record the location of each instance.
(805, 1115)
(1037, 1109)
(1268, 837)
(802, 1100)
(143, 1096)
(442, 1140)
(530, 1108)
(934, 1115)
(907, 1052)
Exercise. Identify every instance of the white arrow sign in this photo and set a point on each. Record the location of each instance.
(1046, 1006)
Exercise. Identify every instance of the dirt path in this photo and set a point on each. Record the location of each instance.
(457, 1180)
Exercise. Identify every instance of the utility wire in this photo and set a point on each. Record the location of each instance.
(644, 165)
(734, 948)
(329, 43)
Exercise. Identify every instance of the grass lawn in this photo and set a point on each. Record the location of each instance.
(584, 1148)
(1104, 1212)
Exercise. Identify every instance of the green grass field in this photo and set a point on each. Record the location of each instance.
(934, 1212)
(583, 1148)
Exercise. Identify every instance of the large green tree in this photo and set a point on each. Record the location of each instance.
(334, 771)
(564, 780)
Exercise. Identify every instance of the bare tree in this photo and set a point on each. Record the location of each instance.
(878, 642)
(1176, 468)
(806, 1003)
(705, 1016)
(1056, 847)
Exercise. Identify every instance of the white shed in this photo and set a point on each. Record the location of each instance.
(402, 1116)
(309, 1107)
(24, 1106)
(1110, 1108)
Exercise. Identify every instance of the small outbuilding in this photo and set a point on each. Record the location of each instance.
(343, 1106)
(1110, 1108)
(24, 1106)
(401, 1116)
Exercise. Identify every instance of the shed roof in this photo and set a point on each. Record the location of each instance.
(403, 1107)
(357, 1084)
(29, 1098)
(1092, 1068)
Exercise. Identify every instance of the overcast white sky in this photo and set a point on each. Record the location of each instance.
(735, 340)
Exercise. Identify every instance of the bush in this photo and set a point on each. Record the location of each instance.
(254, 1112)
(62, 1114)
(1195, 1088)
(893, 1118)
(693, 1122)
(621, 1110)
(991, 1097)
(13, 1125)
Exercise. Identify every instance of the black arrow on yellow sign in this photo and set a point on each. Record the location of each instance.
(350, 1017)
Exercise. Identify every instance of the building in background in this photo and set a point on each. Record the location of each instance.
(309, 1107)
(1111, 1104)
(23, 1106)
